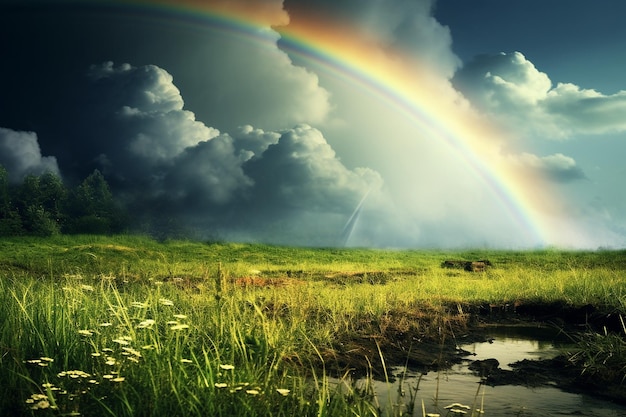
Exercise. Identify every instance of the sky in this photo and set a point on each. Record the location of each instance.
(374, 123)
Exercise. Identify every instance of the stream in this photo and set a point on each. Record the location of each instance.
(461, 385)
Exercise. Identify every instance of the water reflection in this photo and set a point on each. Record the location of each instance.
(511, 344)
(460, 385)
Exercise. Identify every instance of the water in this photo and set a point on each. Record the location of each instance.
(461, 385)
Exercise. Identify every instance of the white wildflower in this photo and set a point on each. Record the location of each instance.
(131, 351)
(123, 340)
(146, 324)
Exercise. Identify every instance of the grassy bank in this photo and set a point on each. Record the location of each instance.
(127, 326)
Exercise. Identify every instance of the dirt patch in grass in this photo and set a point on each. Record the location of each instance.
(424, 338)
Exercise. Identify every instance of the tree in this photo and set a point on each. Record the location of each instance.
(39, 222)
(43, 206)
(53, 194)
(38, 202)
(10, 220)
(5, 202)
(92, 209)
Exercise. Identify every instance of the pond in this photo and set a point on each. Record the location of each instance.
(461, 385)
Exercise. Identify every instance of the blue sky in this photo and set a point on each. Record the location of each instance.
(232, 136)
(572, 41)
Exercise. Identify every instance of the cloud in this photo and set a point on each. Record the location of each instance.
(398, 24)
(275, 185)
(136, 125)
(302, 172)
(253, 141)
(557, 167)
(20, 155)
(155, 150)
(205, 175)
(152, 88)
(514, 91)
(300, 192)
(292, 189)
(243, 77)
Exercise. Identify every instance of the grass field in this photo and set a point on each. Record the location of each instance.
(127, 326)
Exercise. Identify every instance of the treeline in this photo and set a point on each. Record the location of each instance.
(44, 206)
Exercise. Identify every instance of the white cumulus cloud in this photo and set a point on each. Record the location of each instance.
(511, 89)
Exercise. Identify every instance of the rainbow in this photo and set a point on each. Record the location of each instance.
(334, 47)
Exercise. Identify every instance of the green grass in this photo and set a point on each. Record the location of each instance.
(164, 328)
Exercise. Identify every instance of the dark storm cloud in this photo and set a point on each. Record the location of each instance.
(164, 163)
(151, 88)
(20, 155)
(253, 141)
(136, 124)
(302, 172)
(301, 193)
(206, 175)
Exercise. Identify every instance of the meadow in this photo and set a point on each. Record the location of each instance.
(128, 326)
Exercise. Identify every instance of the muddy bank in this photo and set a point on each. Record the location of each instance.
(558, 314)
(559, 372)
(412, 339)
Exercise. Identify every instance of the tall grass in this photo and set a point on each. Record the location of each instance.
(126, 326)
(79, 345)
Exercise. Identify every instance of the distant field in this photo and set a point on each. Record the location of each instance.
(127, 326)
